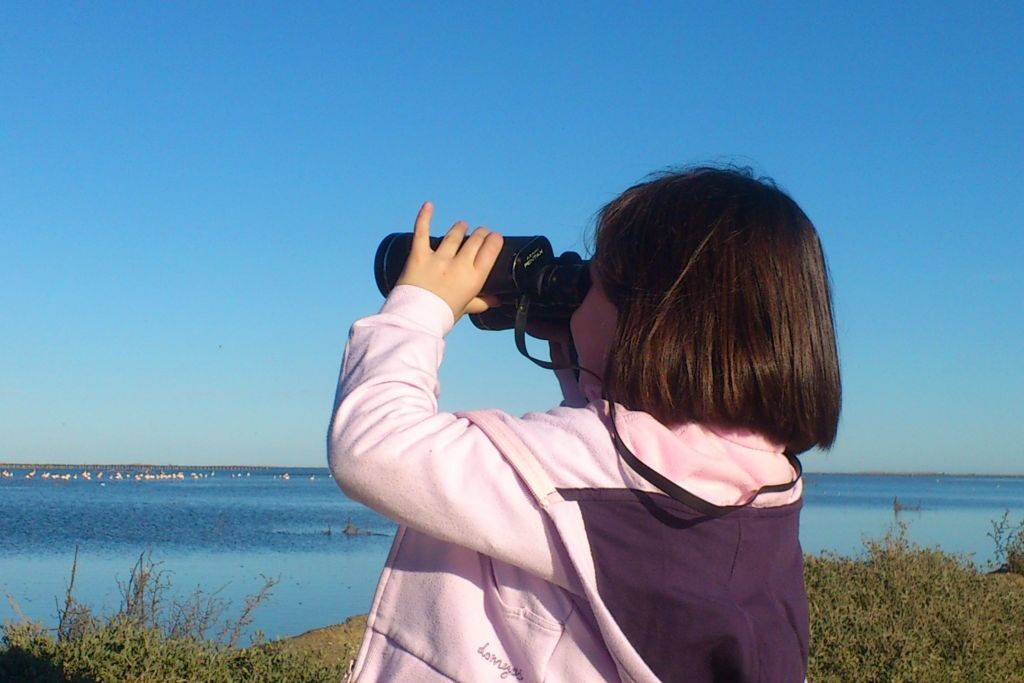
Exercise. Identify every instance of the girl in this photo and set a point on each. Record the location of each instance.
(646, 529)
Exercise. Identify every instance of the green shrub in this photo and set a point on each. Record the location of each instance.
(121, 651)
(906, 613)
(898, 613)
(154, 639)
(1009, 540)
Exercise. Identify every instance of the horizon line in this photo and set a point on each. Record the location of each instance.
(68, 466)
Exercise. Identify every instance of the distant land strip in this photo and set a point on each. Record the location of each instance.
(144, 466)
(308, 468)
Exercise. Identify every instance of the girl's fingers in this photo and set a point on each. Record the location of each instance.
(451, 242)
(479, 304)
(490, 299)
(488, 252)
(421, 228)
(472, 244)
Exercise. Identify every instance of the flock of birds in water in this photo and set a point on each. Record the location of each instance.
(118, 475)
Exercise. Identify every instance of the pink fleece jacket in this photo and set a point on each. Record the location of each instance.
(496, 571)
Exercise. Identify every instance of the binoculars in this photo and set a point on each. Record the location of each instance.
(527, 273)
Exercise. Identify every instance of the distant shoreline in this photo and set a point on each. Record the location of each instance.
(312, 468)
(147, 466)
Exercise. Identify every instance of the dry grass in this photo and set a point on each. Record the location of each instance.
(333, 645)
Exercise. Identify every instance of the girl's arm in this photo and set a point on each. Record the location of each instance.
(390, 448)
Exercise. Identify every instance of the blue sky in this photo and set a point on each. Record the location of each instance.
(191, 195)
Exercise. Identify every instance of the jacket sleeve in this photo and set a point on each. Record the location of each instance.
(391, 449)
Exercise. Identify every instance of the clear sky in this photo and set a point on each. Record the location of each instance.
(191, 195)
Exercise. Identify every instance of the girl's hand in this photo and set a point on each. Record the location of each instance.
(456, 272)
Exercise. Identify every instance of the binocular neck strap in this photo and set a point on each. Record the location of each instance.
(522, 310)
(658, 480)
(677, 492)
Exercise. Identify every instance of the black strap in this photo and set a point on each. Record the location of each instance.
(522, 310)
(673, 490)
(655, 478)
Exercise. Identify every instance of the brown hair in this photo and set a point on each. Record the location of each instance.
(724, 308)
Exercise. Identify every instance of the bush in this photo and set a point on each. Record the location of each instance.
(122, 651)
(906, 613)
(898, 613)
(1009, 540)
(152, 638)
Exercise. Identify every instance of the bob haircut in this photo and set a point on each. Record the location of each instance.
(724, 307)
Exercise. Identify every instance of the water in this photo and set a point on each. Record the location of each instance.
(952, 512)
(218, 532)
(224, 530)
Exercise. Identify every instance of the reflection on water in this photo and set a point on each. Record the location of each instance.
(219, 531)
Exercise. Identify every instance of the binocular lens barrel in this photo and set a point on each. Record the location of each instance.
(526, 266)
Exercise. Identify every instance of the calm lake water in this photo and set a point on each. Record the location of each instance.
(227, 529)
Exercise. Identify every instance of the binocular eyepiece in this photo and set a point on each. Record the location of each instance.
(554, 286)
